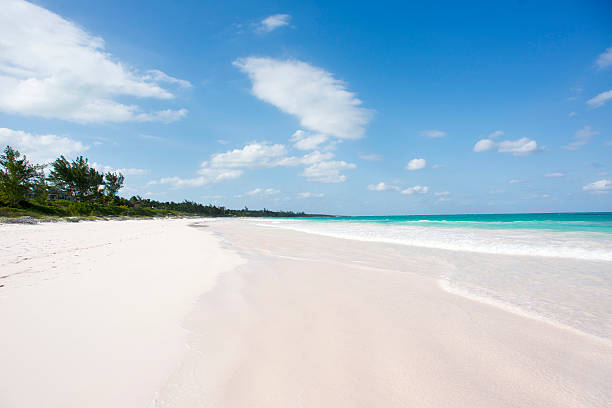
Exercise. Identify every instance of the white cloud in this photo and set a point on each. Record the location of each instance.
(604, 60)
(600, 186)
(487, 143)
(520, 147)
(437, 166)
(273, 22)
(327, 171)
(535, 196)
(307, 141)
(433, 133)
(178, 182)
(164, 116)
(156, 75)
(258, 155)
(321, 103)
(125, 171)
(52, 68)
(253, 155)
(483, 145)
(515, 181)
(40, 148)
(442, 193)
(554, 175)
(311, 195)
(600, 99)
(371, 157)
(581, 137)
(416, 164)
(415, 190)
(571, 114)
(315, 157)
(216, 175)
(207, 176)
(259, 192)
(382, 186)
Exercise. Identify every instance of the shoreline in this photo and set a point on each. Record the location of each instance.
(317, 321)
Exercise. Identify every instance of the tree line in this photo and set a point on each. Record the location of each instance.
(22, 181)
(71, 180)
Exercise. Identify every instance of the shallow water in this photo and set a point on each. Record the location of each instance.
(559, 271)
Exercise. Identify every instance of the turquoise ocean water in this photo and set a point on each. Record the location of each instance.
(576, 222)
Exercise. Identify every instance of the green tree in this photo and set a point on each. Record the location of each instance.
(40, 189)
(113, 182)
(76, 178)
(17, 176)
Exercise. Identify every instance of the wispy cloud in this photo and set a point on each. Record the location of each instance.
(581, 137)
(322, 103)
(416, 164)
(554, 175)
(371, 157)
(433, 133)
(40, 148)
(416, 190)
(520, 147)
(259, 192)
(382, 186)
(515, 181)
(125, 171)
(273, 22)
(604, 60)
(310, 195)
(600, 186)
(58, 70)
(600, 99)
(303, 140)
(327, 171)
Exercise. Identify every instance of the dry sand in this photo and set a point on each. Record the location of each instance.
(91, 313)
(284, 319)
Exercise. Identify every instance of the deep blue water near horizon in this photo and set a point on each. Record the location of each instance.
(575, 222)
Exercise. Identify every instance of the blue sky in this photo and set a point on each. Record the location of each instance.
(337, 107)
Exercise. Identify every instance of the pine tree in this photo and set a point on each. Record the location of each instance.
(17, 176)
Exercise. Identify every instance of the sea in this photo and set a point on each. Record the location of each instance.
(555, 267)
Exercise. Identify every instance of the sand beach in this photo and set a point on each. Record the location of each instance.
(233, 313)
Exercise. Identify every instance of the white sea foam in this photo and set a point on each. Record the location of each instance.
(578, 245)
